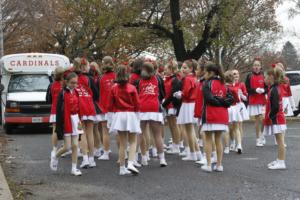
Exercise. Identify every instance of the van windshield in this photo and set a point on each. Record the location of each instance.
(294, 78)
(28, 83)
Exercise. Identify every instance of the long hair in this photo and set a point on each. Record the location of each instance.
(192, 64)
(228, 77)
(108, 64)
(122, 77)
(278, 75)
(212, 67)
(137, 65)
(172, 65)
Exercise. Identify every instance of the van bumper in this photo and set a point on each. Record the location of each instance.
(17, 118)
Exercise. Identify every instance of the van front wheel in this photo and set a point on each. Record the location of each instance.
(9, 129)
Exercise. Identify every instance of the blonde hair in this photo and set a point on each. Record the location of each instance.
(278, 74)
(108, 63)
(192, 64)
(228, 76)
(80, 64)
(96, 67)
(172, 65)
(58, 73)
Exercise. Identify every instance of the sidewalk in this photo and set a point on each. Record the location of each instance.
(5, 193)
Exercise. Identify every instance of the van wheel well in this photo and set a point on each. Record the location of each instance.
(8, 129)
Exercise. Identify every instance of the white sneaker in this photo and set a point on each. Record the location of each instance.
(104, 157)
(200, 143)
(203, 161)
(232, 146)
(173, 151)
(97, 153)
(124, 171)
(85, 164)
(189, 158)
(213, 159)
(79, 154)
(182, 154)
(92, 163)
(239, 149)
(53, 163)
(263, 139)
(132, 169)
(137, 164)
(272, 163)
(144, 161)
(163, 162)
(206, 168)
(280, 164)
(66, 154)
(218, 168)
(53, 154)
(76, 172)
(259, 143)
(226, 150)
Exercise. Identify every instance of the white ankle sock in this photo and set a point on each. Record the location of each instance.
(161, 156)
(54, 149)
(85, 157)
(74, 166)
(106, 152)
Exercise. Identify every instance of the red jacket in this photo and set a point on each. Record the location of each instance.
(274, 109)
(67, 105)
(123, 98)
(55, 89)
(168, 88)
(199, 99)
(86, 94)
(105, 84)
(285, 88)
(149, 95)
(234, 89)
(254, 81)
(242, 87)
(189, 88)
(133, 78)
(216, 101)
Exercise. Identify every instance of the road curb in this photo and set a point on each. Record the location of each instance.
(5, 193)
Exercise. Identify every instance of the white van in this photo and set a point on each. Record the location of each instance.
(294, 77)
(25, 79)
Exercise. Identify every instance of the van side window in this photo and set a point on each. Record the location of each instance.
(294, 78)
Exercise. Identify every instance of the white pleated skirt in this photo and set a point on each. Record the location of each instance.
(76, 126)
(255, 110)
(52, 118)
(151, 116)
(243, 111)
(91, 118)
(214, 127)
(171, 112)
(274, 129)
(125, 121)
(234, 114)
(186, 114)
(287, 107)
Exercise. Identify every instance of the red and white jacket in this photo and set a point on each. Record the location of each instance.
(189, 88)
(217, 98)
(243, 88)
(199, 99)
(124, 98)
(234, 89)
(105, 85)
(274, 108)
(52, 95)
(254, 81)
(285, 88)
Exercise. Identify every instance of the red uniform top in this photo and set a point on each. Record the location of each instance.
(189, 88)
(55, 89)
(242, 87)
(285, 88)
(274, 109)
(168, 88)
(234, 89)
(149, 95)
(253, 82)
(199, 99)
(123, 98)
(216, 102)
(133, 78)
(105, 84)
(86, 102)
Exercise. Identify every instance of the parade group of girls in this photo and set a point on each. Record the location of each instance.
(134, 102)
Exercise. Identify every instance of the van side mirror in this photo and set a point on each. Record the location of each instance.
(1, 88)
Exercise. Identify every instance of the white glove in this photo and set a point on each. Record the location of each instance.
(260, 90)
(178, 95)
(292, 102)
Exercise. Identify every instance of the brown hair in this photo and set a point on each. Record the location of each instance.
(278, 74)
(58, 74)
(192, 64)
(70, 75)
(172, 65)
(228, 76)
(108, 64)
(212, 67)
(136, 65)
(122, 77)
(79, 64)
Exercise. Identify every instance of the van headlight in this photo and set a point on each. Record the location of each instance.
(13, 104)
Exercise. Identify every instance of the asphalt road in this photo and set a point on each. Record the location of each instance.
(245, 177)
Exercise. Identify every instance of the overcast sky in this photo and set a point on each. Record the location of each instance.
(291, 26)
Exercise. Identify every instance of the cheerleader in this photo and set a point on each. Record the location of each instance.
(234, 115)
(287, 97)
(87, 110)
(256, 89)
(68, 125)
(52, 95)
(243, 95)
(135, 71)
(171, 104)
(95, 74)
(275, 123)
(186, 113)
(151, 93)
(105, 84)
(124, 101)
(217, 100)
